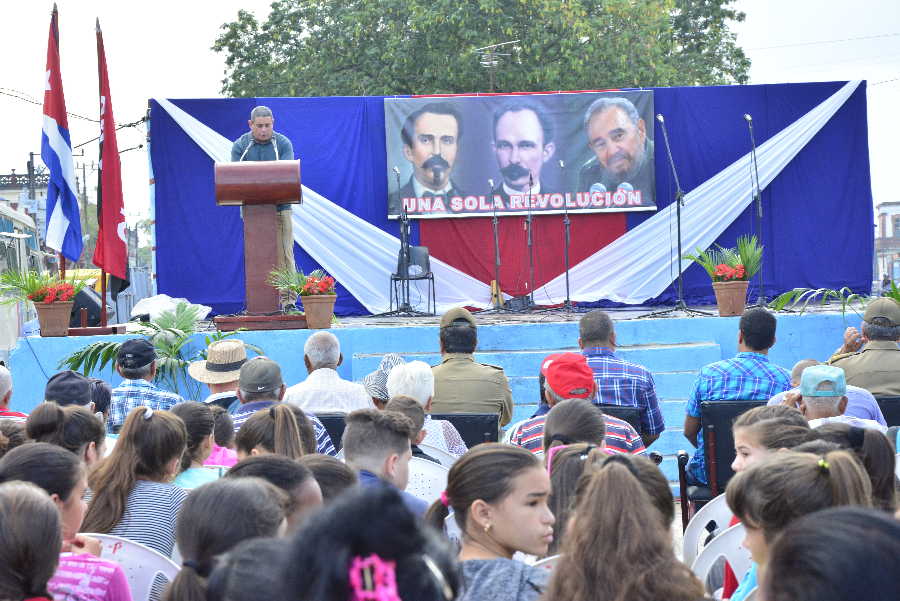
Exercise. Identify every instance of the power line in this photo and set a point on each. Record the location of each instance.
(25, 98)
(865, 37)
(878, 83)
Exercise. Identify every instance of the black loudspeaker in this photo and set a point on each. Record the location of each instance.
(89, 299)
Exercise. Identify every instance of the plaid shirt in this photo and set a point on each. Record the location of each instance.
(745, 377)
(620, 436)
(324, 445)
(137, 393)
(621, 382)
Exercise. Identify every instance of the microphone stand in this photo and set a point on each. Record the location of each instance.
(757, 199)
(567, 306)
(528, 226)
(680, 305)
(404, 309)
(495, 226)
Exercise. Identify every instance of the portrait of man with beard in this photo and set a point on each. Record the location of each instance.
(523, 143)
(430, 137)
(623, 154)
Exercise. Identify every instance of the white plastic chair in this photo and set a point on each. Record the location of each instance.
(716, 510)
(427, 479)
(109, 445)
(897, 465)
(140, 563)
(446, 459)
(451, 529)
(548, 563)
(728, 545)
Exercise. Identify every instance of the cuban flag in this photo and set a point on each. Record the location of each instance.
(63, 232)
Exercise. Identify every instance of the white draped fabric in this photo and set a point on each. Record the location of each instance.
(632, 269)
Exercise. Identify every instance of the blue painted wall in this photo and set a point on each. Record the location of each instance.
(673, 349)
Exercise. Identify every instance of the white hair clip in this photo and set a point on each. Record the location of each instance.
(148, 413)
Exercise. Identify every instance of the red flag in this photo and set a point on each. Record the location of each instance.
(111, 253)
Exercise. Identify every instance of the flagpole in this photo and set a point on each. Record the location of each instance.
(103, 298)
(62, 266)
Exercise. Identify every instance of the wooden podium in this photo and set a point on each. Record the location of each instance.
(258, 186)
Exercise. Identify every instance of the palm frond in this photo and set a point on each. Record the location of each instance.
(750, 253)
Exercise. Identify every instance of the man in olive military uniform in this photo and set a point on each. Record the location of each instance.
(460, 384)
(872, 361)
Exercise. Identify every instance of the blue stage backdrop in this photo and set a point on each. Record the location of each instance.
(817, 217)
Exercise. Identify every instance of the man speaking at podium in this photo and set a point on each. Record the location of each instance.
(263, 143)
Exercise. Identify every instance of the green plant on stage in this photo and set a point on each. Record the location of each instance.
(171, 335)
(799, 299)
(730, 264)
(32, 286)
(287, 281)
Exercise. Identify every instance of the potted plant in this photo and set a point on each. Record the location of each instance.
(53, 297)
(731, 270)
(315, 292)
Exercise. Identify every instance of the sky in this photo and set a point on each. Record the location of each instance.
(163, 50)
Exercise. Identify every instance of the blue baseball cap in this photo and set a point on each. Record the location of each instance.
(823, 380)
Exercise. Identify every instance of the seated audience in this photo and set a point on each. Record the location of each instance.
(618, 544)
(220, 371)
(82, 574)
(223, 453)
(12, 434)
(569, 462)
(747, 376)
(461, 384)
(498, 494)
(6, 391)
(860, 402)
(568, 376)
(416, 380)
(411, 408)
(873, 450)
(73, 428)
(132, 492)
(822, 398)
(216, 517)
(69, 388)
(835, 555)
(376, 445)
(198, 421)
(367, 545)
(302, 492)
(272, 430)
(619, 382)
(136, 363)
(251, 571)
(29, 542)
(261, 387)
(778, 489)
(761, 431)
(333, 475)
(375, 383)
(324, 391)
(871, 361)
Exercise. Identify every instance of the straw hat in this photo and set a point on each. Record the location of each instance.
(224, 359)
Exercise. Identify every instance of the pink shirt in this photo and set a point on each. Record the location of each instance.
(84, 577)
(221, 456)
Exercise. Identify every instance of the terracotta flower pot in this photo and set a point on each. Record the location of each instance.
(731, 297)
(318, 309)
(54, 317)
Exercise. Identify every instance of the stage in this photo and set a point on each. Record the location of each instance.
(672, 348)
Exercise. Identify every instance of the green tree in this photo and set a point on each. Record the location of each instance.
(368, 47)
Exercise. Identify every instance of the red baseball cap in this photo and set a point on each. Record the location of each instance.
(568, 375)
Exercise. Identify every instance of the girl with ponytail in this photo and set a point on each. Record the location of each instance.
(29, 542)
(73, 428)
(133, 494)
(216, 517)
(783, 487)
(272, 430)
(618, 546)
(499, 496)
(199, 422)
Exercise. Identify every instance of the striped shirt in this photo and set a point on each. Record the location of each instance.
(324, 445)
(83, 577)
(151, 513)
(136, 393)
(620, 436)
(745, 377)
(621, 382)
